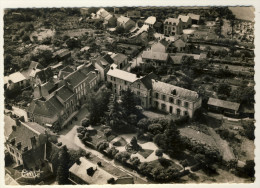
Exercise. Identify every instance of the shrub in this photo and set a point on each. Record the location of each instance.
(102, 145)
(122, 156)
(80, 129)
(159, 153)
(111, 152)
(85, 122)
(155, 128)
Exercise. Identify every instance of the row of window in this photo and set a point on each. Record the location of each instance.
(114, 79)
(171, 109)
(172, 100)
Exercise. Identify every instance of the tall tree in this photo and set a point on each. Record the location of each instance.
(129, 102)
(63, 168)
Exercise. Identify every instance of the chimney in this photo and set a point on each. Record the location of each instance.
(90, 171)
(99, 163)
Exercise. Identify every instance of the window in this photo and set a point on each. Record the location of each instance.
(115, 85)
(125, 83)
(178, 102)
(185, 113)
(138, 86)
(138, 93)
(163, 106)
(156, 95)
(171, 100)
(111, 78)
(186, 104)
(174, 92)
(120, 87)
(163, 97)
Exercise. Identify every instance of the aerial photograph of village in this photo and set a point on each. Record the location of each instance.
(129, 95)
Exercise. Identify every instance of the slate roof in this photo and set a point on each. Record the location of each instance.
(25, 132)
(183, 18)
(65, 71)
(119, 58)
(155, 55)
(64, 93)
(43, 90)
(75, 78)
(167, 89)
(48, 108)
(223, 104)
(147, 80)
(194, 16)
(127, 76)
(100, 176)
(87, 68)
(105, 61)
(45, 74)
(91, 75)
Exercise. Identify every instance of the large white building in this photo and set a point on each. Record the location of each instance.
(154, 93)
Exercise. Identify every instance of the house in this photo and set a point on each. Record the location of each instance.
(133, 14)
(173, 26)
(195, 19)
(179, 45)
(102, 64)
(32, 70)
(15, 80)
(61, 54)
(224, 107)
(155, 58)
(120, 79)
(8, 123)
(43, 76)
(161, 46)
(186, 20)
(44, 90)
(27, 138)
(175, 100)
(86, 172)
(176, 60)
(83, 11)
(158, 27)
(30, 148)
(150, 21)
(65, 72)
(125, 22)
(120, 60)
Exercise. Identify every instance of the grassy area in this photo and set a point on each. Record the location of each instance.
(170, 163)
(120, 142)
(145, 152)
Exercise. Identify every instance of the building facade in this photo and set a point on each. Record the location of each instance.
(172, 27)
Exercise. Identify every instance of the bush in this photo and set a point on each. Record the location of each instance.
(122, 156)
(80, 129)
(101, 146)
(155, 128)
(143, 124)
(111, 152)
(159, 153)
(85, 122)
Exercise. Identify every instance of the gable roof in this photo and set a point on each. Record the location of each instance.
(75, 78)
(167, 89)
(43, 90)
(123, 19)
(223, 104)
(183, 18)
(150, 20)
(105, 61)
(16, 77)
(24, 132)
(123, 75)
(179, 43)
(8, 123)
(64, 93)
(99, 176)
(155, 55)
(147, 80)
(194, 16)
(48, 108)
(87, 68)
(119, 58)
(65, 72)
(176, 59)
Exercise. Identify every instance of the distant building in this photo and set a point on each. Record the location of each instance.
(161, 46)
(150, 21)
(179, 45)
(155, 58)
(173, 26)
(83, 11)
(120, 60)
(224, 107)
(102, 64)
(31, 72)
(14, 80)
(158, 27)
(125, 22)
(195, 18)
(133, 14)
(186, 20)
(61, 54)
(86, 172)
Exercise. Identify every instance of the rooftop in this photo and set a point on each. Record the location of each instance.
(172, 20)
(123, 75)
(119, 58)
(64, 93)
(155, 55)
(147, 80)
(99, 176)
(223, 104)
(75, 78)
(165, 88)
(194, 16)
(123, 19)
(183, 18)
(15, 77)
(150, 20)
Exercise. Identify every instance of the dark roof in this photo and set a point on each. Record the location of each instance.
(43, 90)
(147, 80)
(9, 122)
(119, 58)
(25, 132)
(87, 68)
(91, 76)
(108, 59)
(223, 104)
(45, 74)
(67, 69)
(75, 78)
(64, 93)
(48, 108)
(176, 59)
(61, 53)
(158, 24)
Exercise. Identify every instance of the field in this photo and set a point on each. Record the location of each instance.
(243, 13)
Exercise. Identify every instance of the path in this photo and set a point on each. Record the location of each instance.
(222, 145)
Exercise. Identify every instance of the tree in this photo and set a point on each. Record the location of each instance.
(184, 163)
(107, 132)
(133, 142)
(120, 30)
(73, 43)
(249, 168)
(159, 153)
(143, 124)
(224, 89)
(129, 102)
(63, 168)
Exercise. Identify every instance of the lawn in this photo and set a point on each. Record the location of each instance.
(145, 152)
(166, 163)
